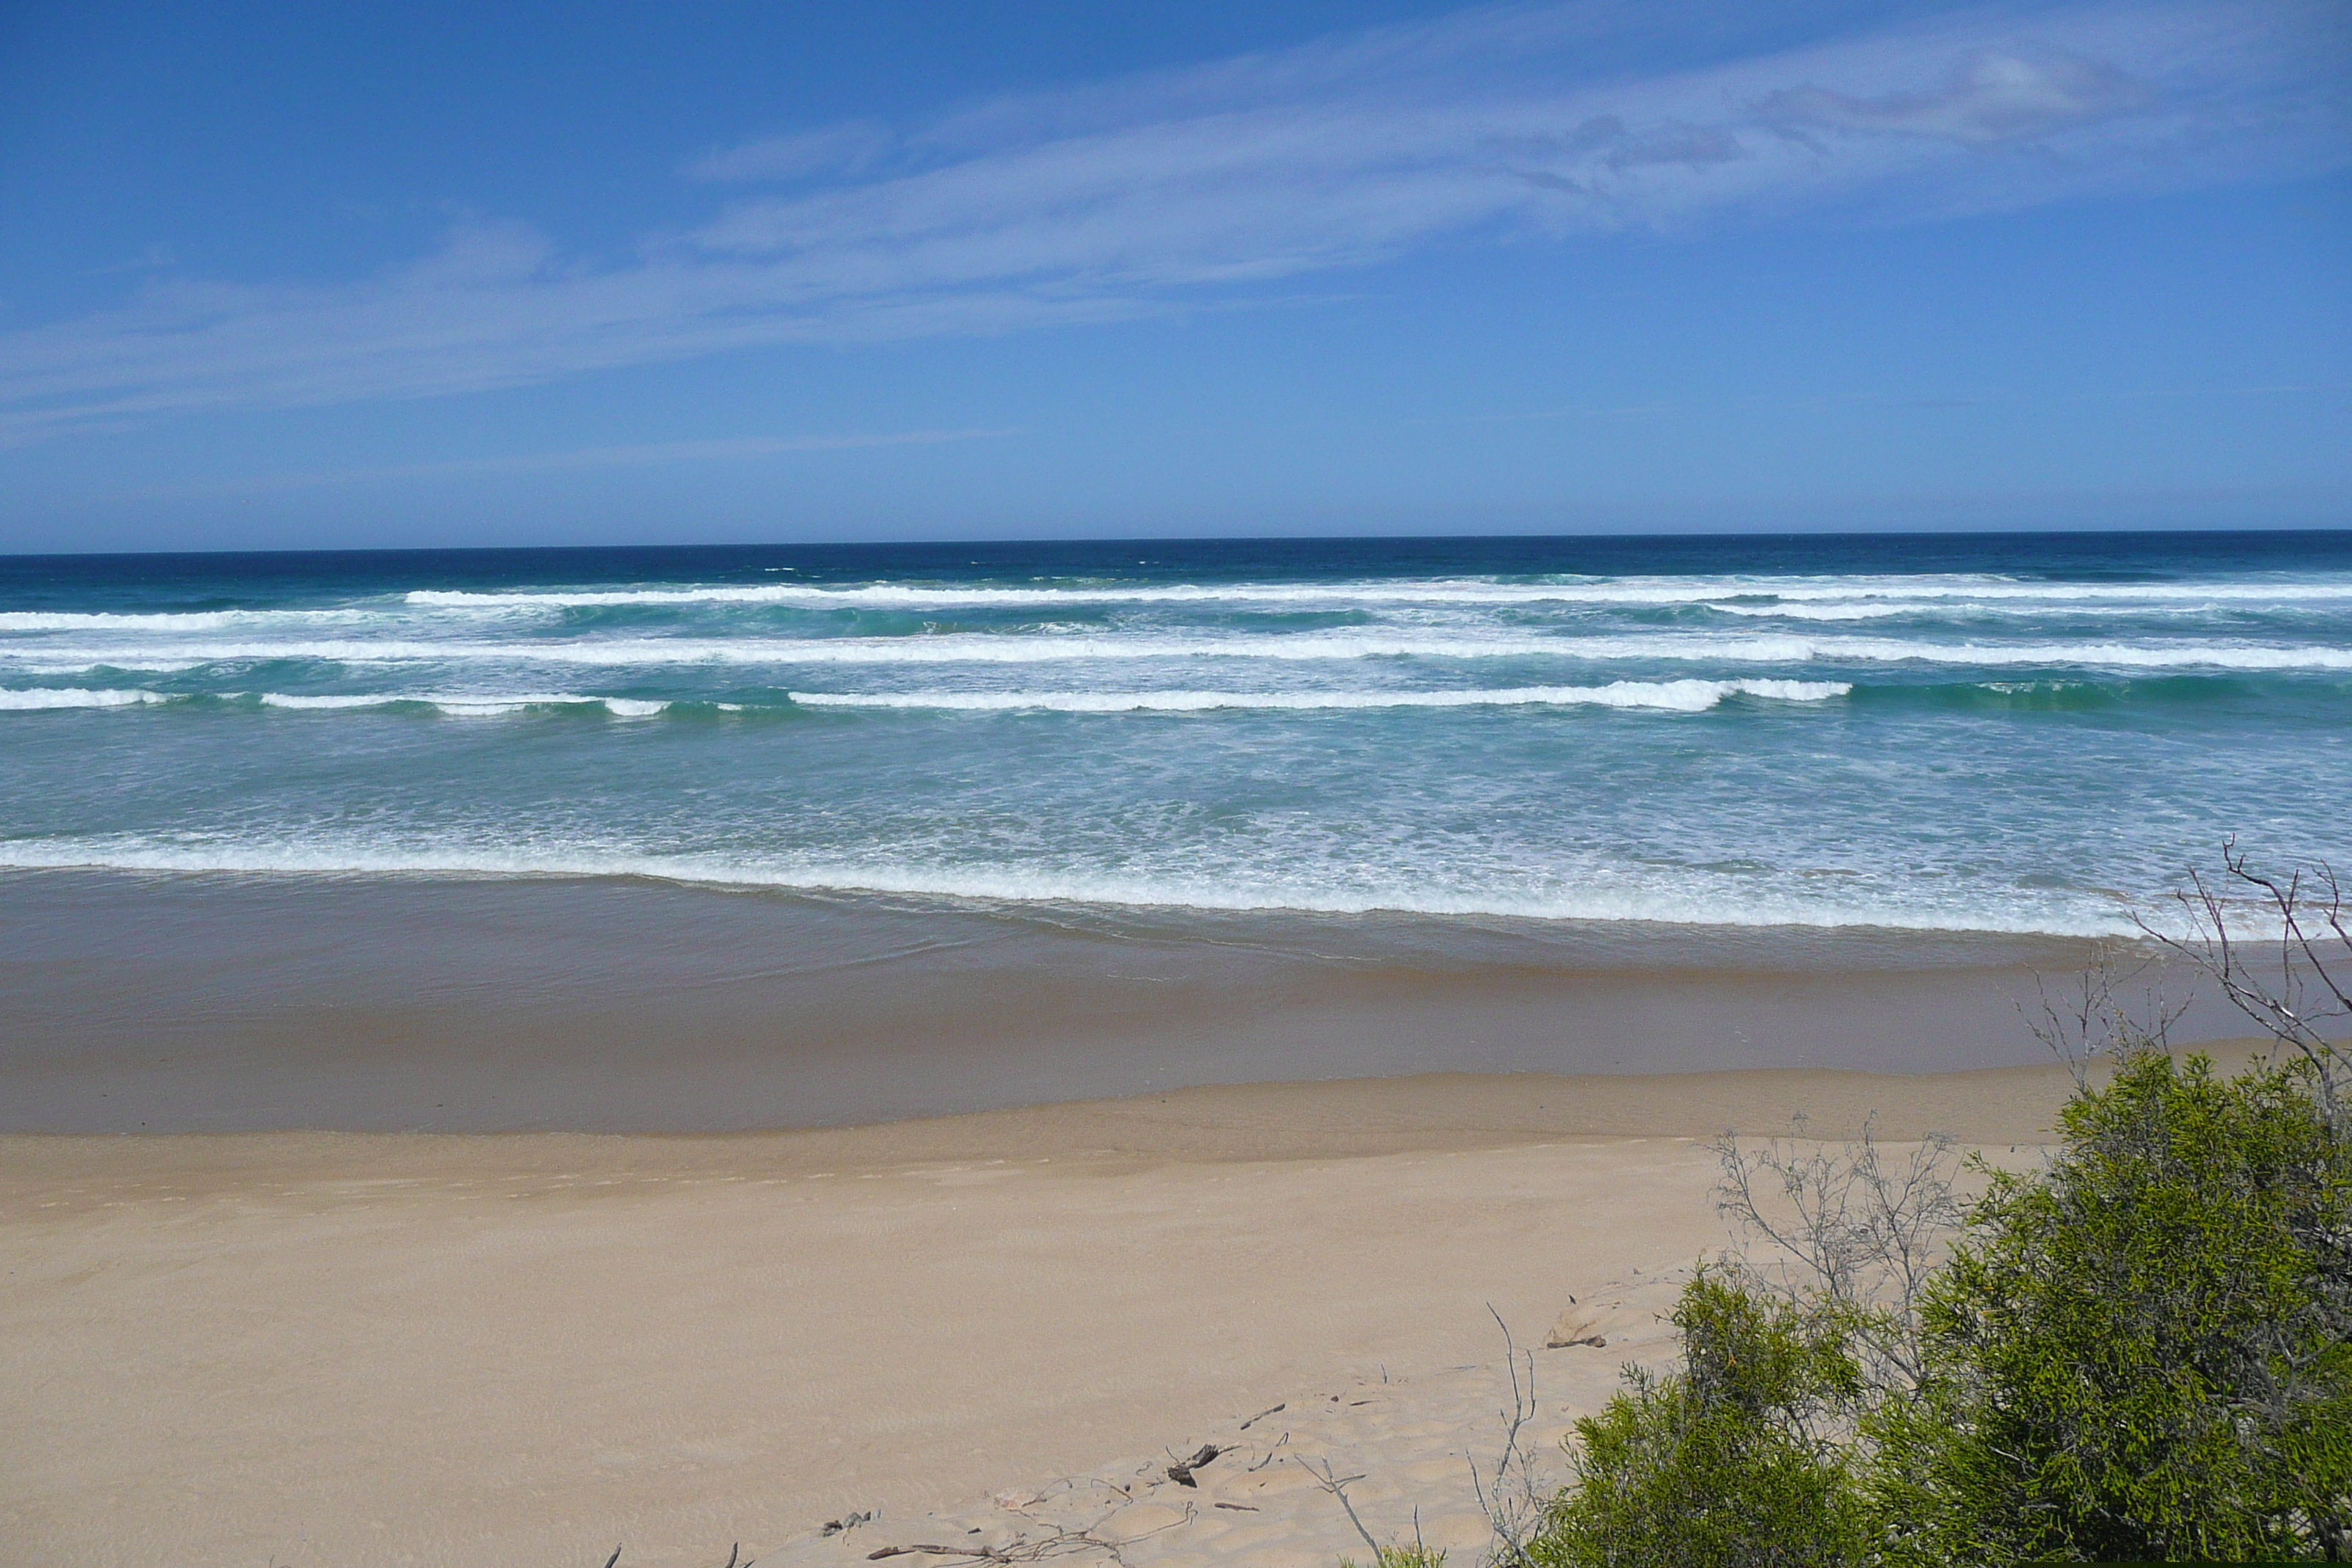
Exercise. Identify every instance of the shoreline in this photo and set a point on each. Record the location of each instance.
(235, 1004)
(1330, 1119)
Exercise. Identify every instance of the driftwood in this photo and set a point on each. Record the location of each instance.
(1181, 1471)
(1058, 1540)
(985, 1553)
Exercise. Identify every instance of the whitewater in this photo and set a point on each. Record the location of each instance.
(1998, 734)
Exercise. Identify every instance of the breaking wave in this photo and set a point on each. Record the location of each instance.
(1916, 591)
(1009, 884)
(1780, 648)
(1673, 696)
(39, 699)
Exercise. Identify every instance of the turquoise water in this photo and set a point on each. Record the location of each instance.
(1989, 734)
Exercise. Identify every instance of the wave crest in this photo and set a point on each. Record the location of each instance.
(1772, 648)
(1673, 696)
(41, 699)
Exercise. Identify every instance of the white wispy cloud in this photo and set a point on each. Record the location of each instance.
(851, 148)
(1161, 193)
(634, 455)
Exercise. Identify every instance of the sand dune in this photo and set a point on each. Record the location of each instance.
(314, 1348)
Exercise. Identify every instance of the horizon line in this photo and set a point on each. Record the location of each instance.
(1165, 541)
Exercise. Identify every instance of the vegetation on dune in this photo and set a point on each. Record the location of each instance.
(1726, 1460)
(2141, 1353)
(2141, 1350)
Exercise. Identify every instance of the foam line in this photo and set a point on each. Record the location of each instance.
(991, 648)
(1674, 696)
(1635, 591)
(40, 699)
(462, 705)
(140, 622)
(1010, 885)
(469, 707)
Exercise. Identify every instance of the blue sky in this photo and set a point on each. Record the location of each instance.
(318, 277)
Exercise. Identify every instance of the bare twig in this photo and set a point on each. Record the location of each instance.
(1330, 1482)
(2088, 1020)
(985, 1553)
(1511, 1497)
(2308, 1008)
(1852, 1228)
(1055, 1540)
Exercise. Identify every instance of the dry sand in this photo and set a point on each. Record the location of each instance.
(348, 1348)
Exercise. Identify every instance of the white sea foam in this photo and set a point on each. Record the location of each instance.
(38, 698)
(1984, 610)
(19, 665)
(377, 699)
(1927, 589)
(461, 705)
(47, 621)
(469, 706)
(1674, 696)
(1002, 884)
(140, 622)
(1741, 648)
(1797, 597)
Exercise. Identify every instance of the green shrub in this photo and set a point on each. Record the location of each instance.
(1726, 1462)
(2140, 1352)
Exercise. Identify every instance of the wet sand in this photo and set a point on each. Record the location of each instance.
(344, 1348)
(224, 1004)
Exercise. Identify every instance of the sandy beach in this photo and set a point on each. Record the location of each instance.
(349, 1348)
(222, 1003)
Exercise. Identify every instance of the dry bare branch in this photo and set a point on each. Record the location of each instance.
(2308, 1008)
(1330, 1482)
(1851, 1226)
(1511, 1496)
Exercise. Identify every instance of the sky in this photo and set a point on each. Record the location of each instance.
(281, 275)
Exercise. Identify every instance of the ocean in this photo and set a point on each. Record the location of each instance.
(2001, 734)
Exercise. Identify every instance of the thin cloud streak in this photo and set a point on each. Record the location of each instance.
(1987, 399)
(644, 455)
(1134, 198)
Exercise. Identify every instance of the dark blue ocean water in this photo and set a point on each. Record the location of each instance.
(1964, 732)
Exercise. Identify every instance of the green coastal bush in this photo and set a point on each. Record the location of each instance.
(1725, 1461)
(2139, 1352)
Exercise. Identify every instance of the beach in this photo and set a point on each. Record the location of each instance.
(311, 1348)
(509, 1055)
